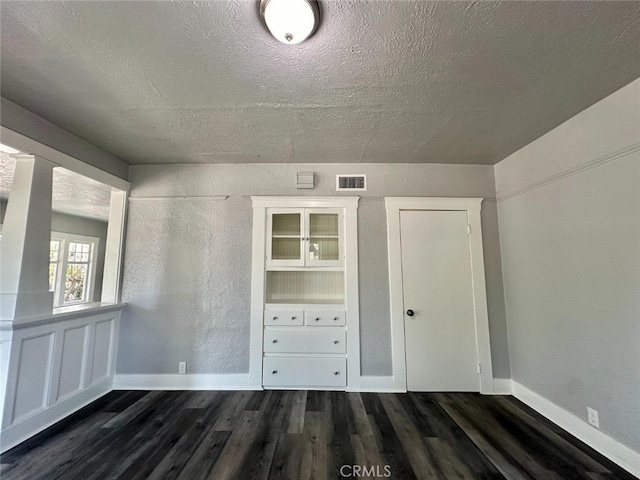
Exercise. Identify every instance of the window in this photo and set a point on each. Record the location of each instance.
(72, 268)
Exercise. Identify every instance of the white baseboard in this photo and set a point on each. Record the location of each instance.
(502, 386)
(376, 385)
(21, 431)
(231, 381)
(604, 444)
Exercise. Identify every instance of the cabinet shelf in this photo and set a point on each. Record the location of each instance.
(305, 286)
(302, 306)
(304, 269)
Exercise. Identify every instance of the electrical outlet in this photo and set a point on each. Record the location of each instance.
(592, 417)
(182, 368)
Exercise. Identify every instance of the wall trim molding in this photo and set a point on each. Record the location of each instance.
(502, 386)
(178, 198)
(599, 441)
(377, 384)
(214, 381)
(573, 171)
(25, 429)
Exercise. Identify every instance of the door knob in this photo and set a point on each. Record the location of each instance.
(410, 312)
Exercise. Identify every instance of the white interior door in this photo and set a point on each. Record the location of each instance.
(440, 334)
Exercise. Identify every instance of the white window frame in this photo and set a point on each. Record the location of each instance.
(59, 281)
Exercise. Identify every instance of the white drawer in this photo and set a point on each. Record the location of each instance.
(323, 318)
(304, 372)
(305, 340)
(283, 317)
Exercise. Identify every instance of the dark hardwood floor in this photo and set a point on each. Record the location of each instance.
(304, 435)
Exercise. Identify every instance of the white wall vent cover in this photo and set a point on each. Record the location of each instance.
(351, 182)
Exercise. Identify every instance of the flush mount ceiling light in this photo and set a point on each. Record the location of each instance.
(290, 21)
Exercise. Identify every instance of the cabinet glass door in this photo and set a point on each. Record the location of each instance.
(323, 246)
(286, 237)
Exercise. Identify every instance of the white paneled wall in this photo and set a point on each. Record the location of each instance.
(58, 365)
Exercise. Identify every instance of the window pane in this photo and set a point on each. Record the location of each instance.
(53, 268)
(54, 250)
(74, 286)
(76, 250)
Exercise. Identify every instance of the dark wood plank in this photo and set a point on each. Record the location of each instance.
(258, 400)
(502, 461)
(233, 455)
(445, 428)
(419, 457)
(313, 456)
(285, 464)
(389, 445)
(315, 401)
(305, 435)
(275, 421)
(340, 451)
(204, 458)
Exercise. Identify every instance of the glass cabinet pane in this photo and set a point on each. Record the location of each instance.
(285, 248)
(323, 237)
(323, 224)
(286, 224)
(322, 248)
(286, 236)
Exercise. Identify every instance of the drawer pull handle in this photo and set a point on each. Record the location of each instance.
(336, 373)
(275, 340)
(274, 372)
(293, 318)
(275, 318)
(335, 319)
(336, 342)
(317, 319)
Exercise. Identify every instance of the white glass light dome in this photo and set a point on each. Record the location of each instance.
(290, 21)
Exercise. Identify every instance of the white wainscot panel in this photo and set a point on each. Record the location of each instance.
(74, 345)
(102, 350)
(34, 366)
(56, 365)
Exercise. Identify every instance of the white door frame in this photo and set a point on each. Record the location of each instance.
(472, 206)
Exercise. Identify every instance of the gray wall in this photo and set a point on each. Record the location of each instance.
(64, 223)
(187, 266)
(570, 234)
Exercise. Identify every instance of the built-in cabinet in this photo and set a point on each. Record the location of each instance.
(305, 287)
(304, 237)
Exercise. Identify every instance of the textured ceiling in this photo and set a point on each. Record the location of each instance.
(72, 194)
(381, 81)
